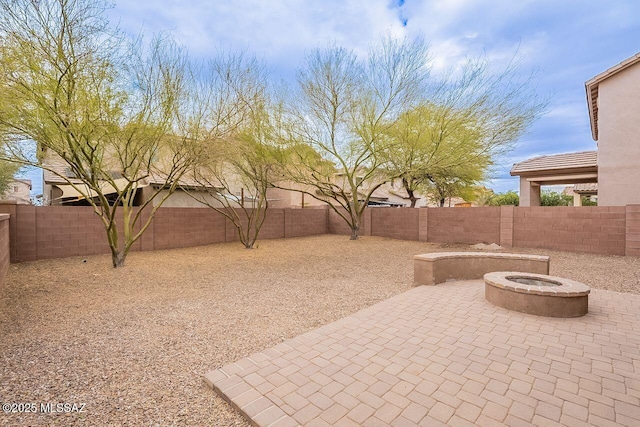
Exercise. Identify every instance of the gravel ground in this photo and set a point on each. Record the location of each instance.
(132, 344)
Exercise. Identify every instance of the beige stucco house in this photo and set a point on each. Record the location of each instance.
(389, 194)
(58, 191)
(18, 192)
(613, 100)
(578, 191)
(567, 168)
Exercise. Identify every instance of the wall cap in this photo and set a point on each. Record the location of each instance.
(501, 255)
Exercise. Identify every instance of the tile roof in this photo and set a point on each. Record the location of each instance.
(58, 165)
(585, 188)
(557, 162)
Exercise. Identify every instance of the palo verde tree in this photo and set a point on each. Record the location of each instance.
(434, 149)
(457, 182)
(337, 117)
(236, 167)
(469, 119)
(483, 196)
(508, 198)
(7, 173)
(234, 183)
(113, 112)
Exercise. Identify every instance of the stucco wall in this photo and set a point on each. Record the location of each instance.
(279, 198)
(180, 199)
(18, 191)
(619, 138)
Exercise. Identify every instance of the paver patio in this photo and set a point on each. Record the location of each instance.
(438, 355)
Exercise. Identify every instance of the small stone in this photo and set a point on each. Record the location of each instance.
(485, 247)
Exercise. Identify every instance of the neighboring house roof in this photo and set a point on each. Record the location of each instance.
(58, 165)
(591, 86)
(585, 188)
(69, 192)
(567, 162)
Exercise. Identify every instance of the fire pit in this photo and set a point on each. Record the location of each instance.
(537, 294)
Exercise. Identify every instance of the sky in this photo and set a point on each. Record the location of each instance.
(566, 42)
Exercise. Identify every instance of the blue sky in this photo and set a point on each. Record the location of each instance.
(566, 41)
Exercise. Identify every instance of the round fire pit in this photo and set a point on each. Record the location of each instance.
(537, 294)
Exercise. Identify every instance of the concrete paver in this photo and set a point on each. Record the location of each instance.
(444, 355)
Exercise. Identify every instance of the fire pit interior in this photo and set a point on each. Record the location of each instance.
(532, 281)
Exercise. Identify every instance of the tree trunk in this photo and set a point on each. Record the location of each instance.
(412, 197)
(409, 191)
(117, 258)
(442, 202)
(355, 227)
(355, 221)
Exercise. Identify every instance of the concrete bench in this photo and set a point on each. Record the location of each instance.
(439, 267)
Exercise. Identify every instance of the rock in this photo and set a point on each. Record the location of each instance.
(485, 247)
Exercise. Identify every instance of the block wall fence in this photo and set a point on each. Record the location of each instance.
(61, 231)
(56, 231)
(4, 247)
(594, 229)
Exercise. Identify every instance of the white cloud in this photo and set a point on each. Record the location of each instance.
(568, 41)
(275, 30)
(569, 113)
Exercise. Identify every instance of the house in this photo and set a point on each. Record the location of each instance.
(394, 194)
(283, 198)
(58, 191)
(18, 191)
(567, 168)
(578, 191)
(613, 100)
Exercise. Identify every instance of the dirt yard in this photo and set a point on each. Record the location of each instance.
(132, 344)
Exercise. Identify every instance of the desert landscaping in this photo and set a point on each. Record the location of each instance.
(133, 344)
